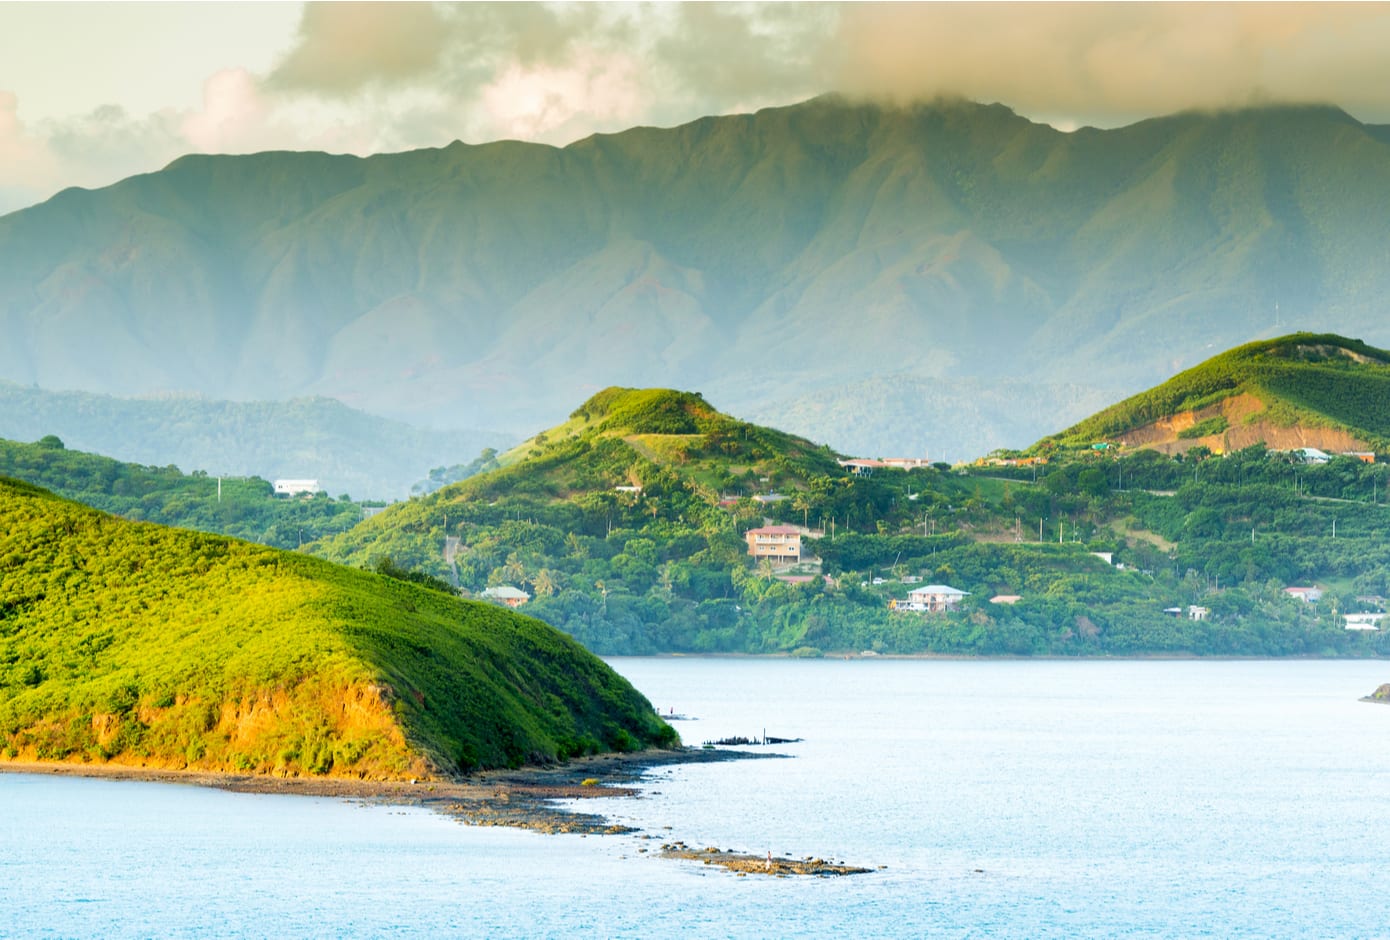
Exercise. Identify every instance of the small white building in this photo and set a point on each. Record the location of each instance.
(930, 599)
(1364, 621)
(297, 487)
(1196, 612)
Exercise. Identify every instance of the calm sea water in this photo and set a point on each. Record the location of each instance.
(1007, 799)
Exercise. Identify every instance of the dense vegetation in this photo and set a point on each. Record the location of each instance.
(140, 644)
(243, 507)
(632, 542)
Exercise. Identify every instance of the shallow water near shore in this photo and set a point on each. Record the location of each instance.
(1005, 798)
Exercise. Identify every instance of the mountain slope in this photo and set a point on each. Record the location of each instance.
(761, 258)
(1301, 390)
(136, 644)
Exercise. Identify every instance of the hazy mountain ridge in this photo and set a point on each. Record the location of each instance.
(347, 450)
(759, 258)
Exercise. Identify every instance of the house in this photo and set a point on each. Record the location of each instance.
(1309, 595)
(1364, 621)
(906, 463)
(1107, 557)
(627, 489)
(297, 487)
(781, 543)
(505, 594)
(862, 467)
(1197, 613)
(930, 599)
(1311, 455)
(1365, 456)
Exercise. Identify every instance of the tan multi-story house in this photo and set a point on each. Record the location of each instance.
(781, 543)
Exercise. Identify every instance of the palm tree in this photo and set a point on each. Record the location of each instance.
(514, 571)
(544, 583)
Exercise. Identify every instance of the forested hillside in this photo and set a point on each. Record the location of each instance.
(243, 507)
(627, 525)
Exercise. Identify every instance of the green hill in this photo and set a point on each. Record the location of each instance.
(142, 645)
(763, 259)
(1302, 390)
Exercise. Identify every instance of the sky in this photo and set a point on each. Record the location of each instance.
(93, 92)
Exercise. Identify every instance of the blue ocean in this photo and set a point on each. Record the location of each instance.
(1002, 798)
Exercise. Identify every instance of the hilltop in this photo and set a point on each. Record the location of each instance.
(764, 259)
(140, 645)
(1302, 390)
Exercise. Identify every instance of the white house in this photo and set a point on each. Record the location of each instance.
(930, 599)
(297, 487)
(1364, 621)
(1309, 595)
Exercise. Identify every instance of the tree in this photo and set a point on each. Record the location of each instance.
(544, 583)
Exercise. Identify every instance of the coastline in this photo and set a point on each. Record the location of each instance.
(523, 798)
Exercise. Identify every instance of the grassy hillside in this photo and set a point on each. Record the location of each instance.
(763, 259)
(1302, 388)
(138, 644)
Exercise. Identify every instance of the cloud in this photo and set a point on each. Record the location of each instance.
(234, 116)
(1110, 63)
(343, 47)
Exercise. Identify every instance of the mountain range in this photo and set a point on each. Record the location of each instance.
(945, 276)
